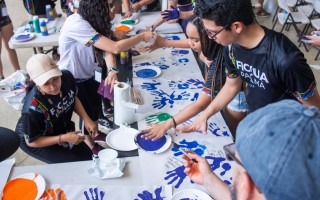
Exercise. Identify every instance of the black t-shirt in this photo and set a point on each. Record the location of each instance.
(40, 118)
(274, 70)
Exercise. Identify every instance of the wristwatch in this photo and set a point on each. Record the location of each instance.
(113, 69)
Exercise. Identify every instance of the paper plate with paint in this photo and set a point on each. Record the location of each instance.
(122, 139)
(30, 186)
(191, 194)
(147, 71)
(123, 27)
(158, 146)
(129, 21)
(22, 37)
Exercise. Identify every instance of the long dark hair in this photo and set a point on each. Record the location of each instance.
(96, 12)
(212, 50)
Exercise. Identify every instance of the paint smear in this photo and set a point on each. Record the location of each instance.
(149, 145)
(123, 28)
(146, 73)
(20, 188)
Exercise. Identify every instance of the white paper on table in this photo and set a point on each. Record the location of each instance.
(111, 192)
(5, 167)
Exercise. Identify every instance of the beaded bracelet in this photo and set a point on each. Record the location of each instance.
(174, 122)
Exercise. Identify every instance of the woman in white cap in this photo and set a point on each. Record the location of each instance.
(48, 132)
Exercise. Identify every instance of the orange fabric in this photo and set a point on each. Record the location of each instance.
(20, 188)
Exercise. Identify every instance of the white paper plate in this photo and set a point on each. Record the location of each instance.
(122, 139)
(129, 26)
(147, 71)
(37, 178)
(162, 149)
(22, 37)
(135, 21)
(191, 194)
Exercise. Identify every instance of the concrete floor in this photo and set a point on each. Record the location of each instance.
(9, 116)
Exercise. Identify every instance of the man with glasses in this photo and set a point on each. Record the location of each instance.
(276, 156)
(266, 62)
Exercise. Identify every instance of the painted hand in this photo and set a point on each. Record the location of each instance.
(170, 14)
(177, 174)
(146, 195)
(93, 194)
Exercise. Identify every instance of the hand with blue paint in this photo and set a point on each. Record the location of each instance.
(93, 194)
(170, 14)
(177, 174)
(146, 195)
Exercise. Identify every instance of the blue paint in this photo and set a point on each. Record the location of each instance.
(183, 86)
(22, 37)
(145, 64)
(195, 97)
(164, 66)
(183, 60)
(94, 195)
(149, 145)
(176, 175)
(172, 37)
(193, 146)
(162, 98)
(146, 73)
(179, 52)
(215, 130)
(196, 83)
(146, 195)
(150, 86)
(227, 182)
(226, 167)
(216, 163)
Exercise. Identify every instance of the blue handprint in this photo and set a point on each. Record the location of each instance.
(94, 194)
(216, 162)
(193, 146)
(176, 174)
(183, 60)
(215, 130)
(162, 98)
(196, 83)
(150, 86)
(179, 52)
(146, 195)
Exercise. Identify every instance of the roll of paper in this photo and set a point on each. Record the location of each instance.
(124, 109)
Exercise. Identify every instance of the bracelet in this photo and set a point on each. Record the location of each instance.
(59, 140)
(174, 122)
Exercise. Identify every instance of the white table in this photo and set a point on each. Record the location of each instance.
(42, 41)
(76, 173)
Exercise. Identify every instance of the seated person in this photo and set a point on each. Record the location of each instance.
(212, 57)
(9, 143)
(276, 156)
(47, 131)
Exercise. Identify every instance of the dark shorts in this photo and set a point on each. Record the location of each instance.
(89, 97)
(4, 21)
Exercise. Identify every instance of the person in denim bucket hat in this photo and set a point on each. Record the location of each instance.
(277, 156)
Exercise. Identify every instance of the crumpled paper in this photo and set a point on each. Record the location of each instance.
(102, 170)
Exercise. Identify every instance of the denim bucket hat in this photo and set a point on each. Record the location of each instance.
(279, 146)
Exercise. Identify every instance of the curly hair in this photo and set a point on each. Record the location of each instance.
(224, 12)
(213, 51)
(96, 12)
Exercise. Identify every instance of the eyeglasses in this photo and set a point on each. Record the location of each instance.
(230, 151)
(212, 34)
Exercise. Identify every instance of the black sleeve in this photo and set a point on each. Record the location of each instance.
(33, 124)
(69, 81)
(297, 76)
(231, 70)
